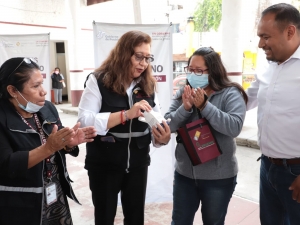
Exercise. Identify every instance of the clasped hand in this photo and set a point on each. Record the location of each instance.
(70, 137)
(192, 97)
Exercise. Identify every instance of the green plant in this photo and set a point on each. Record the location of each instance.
(208, 15)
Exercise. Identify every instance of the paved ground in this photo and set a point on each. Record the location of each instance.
(243, 208)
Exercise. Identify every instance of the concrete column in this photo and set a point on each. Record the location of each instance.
(137, 11)
(232, 43)
(190, 27)
(73, 47)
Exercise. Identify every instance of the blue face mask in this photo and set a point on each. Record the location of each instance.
(30, 107)
(198, 81)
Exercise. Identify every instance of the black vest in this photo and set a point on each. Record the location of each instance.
(110, 156)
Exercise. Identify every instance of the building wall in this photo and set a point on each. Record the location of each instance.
(50, 12)
(54, 17)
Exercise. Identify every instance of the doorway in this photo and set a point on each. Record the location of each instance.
(61, 64)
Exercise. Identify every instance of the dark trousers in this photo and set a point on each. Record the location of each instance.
(105, 186)
(277, 206)
(214, 196)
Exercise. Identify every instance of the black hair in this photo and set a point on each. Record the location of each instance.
(217, 78)
(15, 72)
(285, 14)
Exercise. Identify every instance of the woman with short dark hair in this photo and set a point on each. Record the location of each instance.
(34, 181)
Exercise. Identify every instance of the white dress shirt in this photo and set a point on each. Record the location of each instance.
(276, 93)
(90, 105)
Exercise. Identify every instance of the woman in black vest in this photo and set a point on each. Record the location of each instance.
(34, 182)
(115, 96)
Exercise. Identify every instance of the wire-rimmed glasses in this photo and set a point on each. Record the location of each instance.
(140, 57)
(197, 72)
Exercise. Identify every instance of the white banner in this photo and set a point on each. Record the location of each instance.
(34, 46)
(106, 35)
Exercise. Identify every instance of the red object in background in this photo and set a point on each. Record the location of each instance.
(178, 82)
(52, 96)
(75, 97)
(160, 78)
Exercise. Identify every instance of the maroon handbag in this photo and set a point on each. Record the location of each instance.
(198, 140)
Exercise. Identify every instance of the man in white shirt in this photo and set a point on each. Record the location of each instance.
(276, 93)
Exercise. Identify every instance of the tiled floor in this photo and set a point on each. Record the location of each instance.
(241, 211)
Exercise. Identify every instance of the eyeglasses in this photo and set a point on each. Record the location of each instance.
(26, 60)
(197, 72)
(140, 57)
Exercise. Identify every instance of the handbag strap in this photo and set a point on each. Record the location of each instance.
(198, 112)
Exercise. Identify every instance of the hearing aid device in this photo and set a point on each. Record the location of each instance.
(153, 118)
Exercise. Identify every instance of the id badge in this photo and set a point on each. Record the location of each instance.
(50, 191)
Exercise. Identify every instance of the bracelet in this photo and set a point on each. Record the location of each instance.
(122, 122)
(203, 106)
(205, 103)
(125, 114)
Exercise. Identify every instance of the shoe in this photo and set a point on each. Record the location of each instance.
(56, 103)
(60, 103)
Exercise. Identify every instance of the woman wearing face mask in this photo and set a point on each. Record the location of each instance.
(57, 85)
(34, 181)
(223, 103)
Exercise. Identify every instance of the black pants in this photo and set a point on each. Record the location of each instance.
(105, 186)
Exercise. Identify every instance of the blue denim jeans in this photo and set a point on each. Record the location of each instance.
(214, 196)
(277, 206)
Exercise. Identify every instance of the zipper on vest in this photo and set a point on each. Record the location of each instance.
(129, 141)
(43, 192)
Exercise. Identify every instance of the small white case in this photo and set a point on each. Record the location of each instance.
(153, 118)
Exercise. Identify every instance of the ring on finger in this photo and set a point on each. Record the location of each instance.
(63, 140)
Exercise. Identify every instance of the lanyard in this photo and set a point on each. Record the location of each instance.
(38, 125)
(43, 140)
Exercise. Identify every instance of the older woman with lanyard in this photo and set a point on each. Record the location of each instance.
(34, 181)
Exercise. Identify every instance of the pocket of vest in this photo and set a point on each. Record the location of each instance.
(106, 152)
(20, 199)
